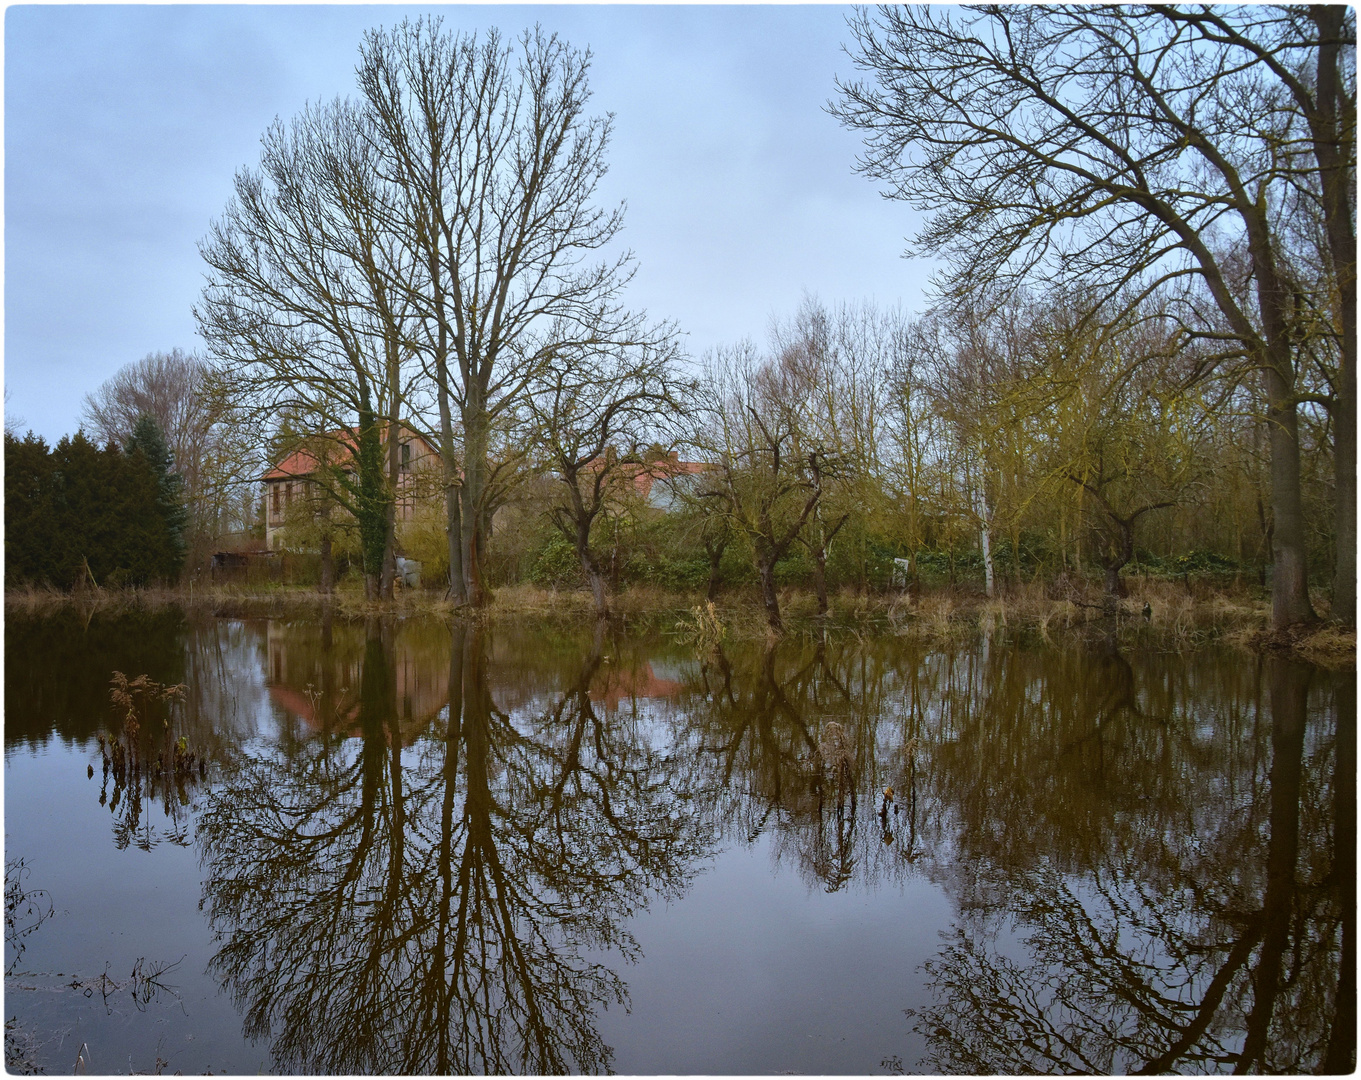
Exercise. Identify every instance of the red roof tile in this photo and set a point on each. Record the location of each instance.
(302, 463)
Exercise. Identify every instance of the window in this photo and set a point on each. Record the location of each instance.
(406, 455)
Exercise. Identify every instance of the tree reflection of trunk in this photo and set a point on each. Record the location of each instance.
(379, 917)
(440, 990)
(1341, 1056)
(326, 702)
(1289, 690)
(484, 914)
(374, 708)
(1195, 929)
(397, 807)
(577, 702)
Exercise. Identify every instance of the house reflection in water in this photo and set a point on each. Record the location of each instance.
(316, 680)
(649, 680)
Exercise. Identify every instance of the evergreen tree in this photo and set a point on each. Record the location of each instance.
(149, 440)
(29, 536)
(77, 512)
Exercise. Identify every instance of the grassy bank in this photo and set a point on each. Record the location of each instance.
(1157, 613)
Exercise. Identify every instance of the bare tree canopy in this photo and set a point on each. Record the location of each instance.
(1137, 150)
(307, 307)
(207, 449)
(595, 415)
(167, 386)
(497, 163)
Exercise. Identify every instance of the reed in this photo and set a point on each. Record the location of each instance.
(703, 628)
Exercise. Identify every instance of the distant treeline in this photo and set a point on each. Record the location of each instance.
(77, 514)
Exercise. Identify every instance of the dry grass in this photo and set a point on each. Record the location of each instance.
(1157, 613)
(1330, 647)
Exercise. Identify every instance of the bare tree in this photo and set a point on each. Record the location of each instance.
(596, 413)
(1311, 52)
(1111, 145)
(302, 311)
(206, 445)
(765, 485)
(168, 386)
(496, 163)
(834, 362)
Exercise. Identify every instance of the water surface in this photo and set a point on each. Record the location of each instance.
(424, 847)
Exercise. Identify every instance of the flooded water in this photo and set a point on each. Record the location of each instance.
(424, 848)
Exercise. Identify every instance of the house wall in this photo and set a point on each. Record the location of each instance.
(418, 482)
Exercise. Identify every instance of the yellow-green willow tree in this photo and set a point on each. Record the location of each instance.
(1129, 149)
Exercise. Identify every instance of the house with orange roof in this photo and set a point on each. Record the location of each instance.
(657, 483)
(294, 479)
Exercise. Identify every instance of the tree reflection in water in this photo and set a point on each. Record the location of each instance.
(755, 719)
(1153, 871)
(1181, 911)
(434, 911)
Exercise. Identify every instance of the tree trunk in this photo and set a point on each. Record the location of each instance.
(389, 573)
(715, 561)
(1290, 576)
(1112, 581)
(394, 468)
(591, 568)
(820, 580)
(453, 518)
(1119, 559)
(473, 494)
(765, 567)
(989, 581)
(1344, 465)
(371, 510)
(453, 531)
(1290, 579)
(328, 572)
(1329, 127)
(599, 592)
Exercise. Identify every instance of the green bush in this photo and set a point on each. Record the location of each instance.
(1196, 563)
(557, 565)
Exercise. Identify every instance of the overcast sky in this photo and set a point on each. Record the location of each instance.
(124, 126)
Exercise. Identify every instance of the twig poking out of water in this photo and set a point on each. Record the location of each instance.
(25, 910)
(144, 984)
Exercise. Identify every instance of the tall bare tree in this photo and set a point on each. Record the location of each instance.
(596, 415)
(302, 311)
(833, 361)
(1108, 144)
(747, 425)
(496, 163)
(207, 447)
(1311, 52)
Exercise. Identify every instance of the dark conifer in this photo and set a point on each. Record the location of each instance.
(149, 440)
(29, 539)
